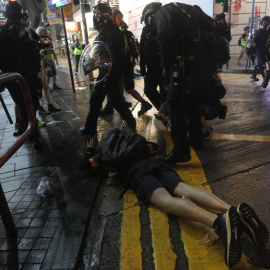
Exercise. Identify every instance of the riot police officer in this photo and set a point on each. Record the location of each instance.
(189, 64)
(221, 28)
(18, 53)
(108, 33)
(150, 64)
(260, 40)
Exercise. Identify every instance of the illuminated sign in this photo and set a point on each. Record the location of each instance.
(72, 27)
(61, 3)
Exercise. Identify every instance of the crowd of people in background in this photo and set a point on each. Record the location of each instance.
(182, 50)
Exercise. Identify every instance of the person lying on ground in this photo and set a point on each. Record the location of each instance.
(154, 181)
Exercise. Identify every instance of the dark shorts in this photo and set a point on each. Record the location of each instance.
(128, 78)
(209, 112)
(148, 175)
(52, 70)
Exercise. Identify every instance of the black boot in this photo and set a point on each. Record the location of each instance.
(146, 106)
(108, 109)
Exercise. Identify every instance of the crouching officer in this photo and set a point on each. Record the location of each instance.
(18, 53)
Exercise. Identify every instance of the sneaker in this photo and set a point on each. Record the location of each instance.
(173, 158)
(41, 124)
(76, 73)
(252, 225)
(146, 106)
(42, 111)
(227, 227)
(16, 128)
(254, 78)
(53, 109)
(208, 133)
(56, 87)
(222, 112)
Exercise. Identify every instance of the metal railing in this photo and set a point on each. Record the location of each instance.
(4, 209)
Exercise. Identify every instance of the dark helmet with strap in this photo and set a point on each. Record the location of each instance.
(102, 13)
(14, 11)
(220, 19)
(265, 21)
(149, 12)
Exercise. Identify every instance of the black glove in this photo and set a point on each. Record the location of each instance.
(143, 72)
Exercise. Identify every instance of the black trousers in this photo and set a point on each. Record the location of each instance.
(77, 61)
(152, 80)
(17, 95)
(111, 88)
(183, 108)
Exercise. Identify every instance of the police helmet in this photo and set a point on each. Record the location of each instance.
(42, 32)
(102, 13)
(14, 11)
(220, 18)
(148, 12)
(266, 21)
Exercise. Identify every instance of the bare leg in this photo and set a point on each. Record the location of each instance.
(202, 197)
(48, 80)
(54, 79)
(45, 89)
(204, 123)
(182, 208)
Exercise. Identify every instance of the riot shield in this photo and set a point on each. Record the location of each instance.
(95, 62)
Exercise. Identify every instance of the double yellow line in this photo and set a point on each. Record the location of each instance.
(201, 255)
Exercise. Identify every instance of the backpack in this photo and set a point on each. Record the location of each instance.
(197, 28)
(239, 42)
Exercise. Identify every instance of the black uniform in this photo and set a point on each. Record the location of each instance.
(180, 53)
(150, 61)
(19, 53)
(113, 37)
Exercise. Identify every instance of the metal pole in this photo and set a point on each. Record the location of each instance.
(229, 11)
(67, 48)
(252, 17)
(82, 5)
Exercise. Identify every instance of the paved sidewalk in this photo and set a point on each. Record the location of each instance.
(51, 229)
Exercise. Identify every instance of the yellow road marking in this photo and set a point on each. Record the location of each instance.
(200, 256)
(164, 256)
(241, 137)
(131, 249)
(244, 99)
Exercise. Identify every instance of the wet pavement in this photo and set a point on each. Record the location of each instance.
(81, 224)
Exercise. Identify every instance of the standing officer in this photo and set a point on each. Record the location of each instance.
(260, 40)
(78, 48)
(108, 33)
(18, 53)
(150, 64)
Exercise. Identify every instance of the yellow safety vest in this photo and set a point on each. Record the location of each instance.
(48, 54)
(244, 41)
(78, 50)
